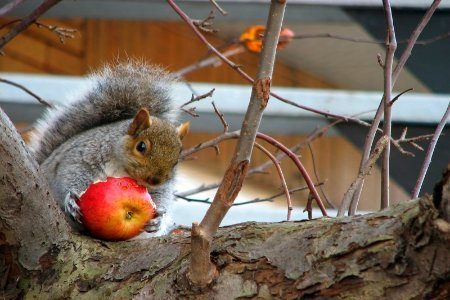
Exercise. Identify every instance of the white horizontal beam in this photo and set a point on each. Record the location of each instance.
(233, 99)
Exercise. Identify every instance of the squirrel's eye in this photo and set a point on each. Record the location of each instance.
(141, 147)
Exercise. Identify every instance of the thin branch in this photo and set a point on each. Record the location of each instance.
(316, 173)
(391, 46)
(379, 114)
(291, 192)
(188, 199)
(399, 95)
(308, 207)
(210, 61)
(411, 141)
(368, 165)
(210, 143)
(39, 99)
(9, 6)
(364, 40)
(276, 163)
(300, 167)
(191, 111)
(256, 200)
(222, 11)
(27, 21)
(61, 32)
(202, 188)
(426, 163)
(221, 117)
(198, 98)
(206, 24)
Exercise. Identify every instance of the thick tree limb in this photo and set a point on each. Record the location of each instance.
(29, 217)
(400, 253)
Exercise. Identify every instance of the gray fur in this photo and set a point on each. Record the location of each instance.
(117, 93)
(77, 145)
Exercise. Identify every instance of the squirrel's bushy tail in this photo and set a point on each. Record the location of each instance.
(116, 93)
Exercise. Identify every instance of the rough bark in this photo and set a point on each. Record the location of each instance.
(398, 253)
(395, 254)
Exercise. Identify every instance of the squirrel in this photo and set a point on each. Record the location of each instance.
(122, 125)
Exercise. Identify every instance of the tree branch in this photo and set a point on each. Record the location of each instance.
(429, 155)
(276, 163)
(201, 269)
(391, 46)
(27, 21)
(39, 99)
(9, 6)
(368, 165)
(34, 220)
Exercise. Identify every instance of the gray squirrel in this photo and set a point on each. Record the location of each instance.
(121, 126)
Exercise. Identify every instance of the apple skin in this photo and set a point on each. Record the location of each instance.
(116, 209)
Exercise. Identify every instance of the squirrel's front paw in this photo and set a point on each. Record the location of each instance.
(154, 224)
(71, 207)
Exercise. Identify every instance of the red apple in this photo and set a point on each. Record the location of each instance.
(116, 209)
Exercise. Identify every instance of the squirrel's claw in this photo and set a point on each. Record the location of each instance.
(71, 207)
(154, 224)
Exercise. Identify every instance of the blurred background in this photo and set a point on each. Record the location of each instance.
(336, 75)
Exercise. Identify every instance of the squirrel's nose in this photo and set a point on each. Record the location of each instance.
(154, 180)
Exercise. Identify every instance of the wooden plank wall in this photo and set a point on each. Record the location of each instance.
(173, 45)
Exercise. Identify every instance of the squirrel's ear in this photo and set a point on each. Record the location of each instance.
(183, 130)
(141, 122)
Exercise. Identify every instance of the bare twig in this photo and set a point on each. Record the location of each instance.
(256, 200)
(300, 167)
(379, 114)
(368, 165)
(366, 41)
(222, 11)
(380, 60)
(61, 32)
(198, 98)
(429, 155)
(39, 99)
(399, 95)
(188, 199)
(411, 141)
(308, 207)
(391, 46)
(221, 117)
(206, 24)
(210, 61)
(9, 6)
(276, 163)
(27, 21)
(291, 191)
(316, 173)
(190, 111)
